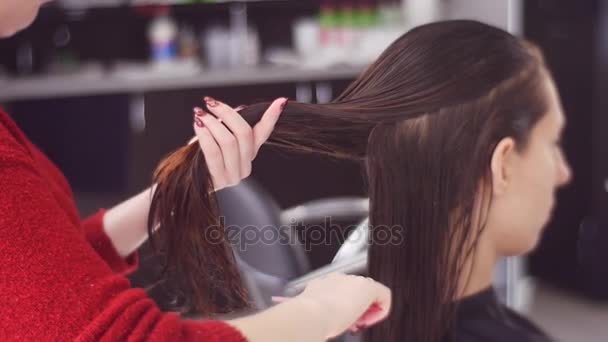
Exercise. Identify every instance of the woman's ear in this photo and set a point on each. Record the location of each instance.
(502, 165)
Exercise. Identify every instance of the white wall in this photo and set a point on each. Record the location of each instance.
(505, 14)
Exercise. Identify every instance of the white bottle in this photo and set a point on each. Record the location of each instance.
(162, 34)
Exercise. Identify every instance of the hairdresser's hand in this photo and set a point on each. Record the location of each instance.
(348, 302)
(228, 142)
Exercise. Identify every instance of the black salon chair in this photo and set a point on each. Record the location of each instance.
(268, 249)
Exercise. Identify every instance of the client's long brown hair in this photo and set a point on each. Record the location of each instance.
(423, 121)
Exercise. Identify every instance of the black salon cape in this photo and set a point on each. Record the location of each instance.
(483, 318)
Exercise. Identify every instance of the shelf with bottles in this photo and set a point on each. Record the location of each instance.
(85, 4)
(130, 78)
(348, 32)
(186, 2)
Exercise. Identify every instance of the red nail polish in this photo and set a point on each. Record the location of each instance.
(210, 101)
(284, 104)
(199, 111)
(375, 308)
(199, 122)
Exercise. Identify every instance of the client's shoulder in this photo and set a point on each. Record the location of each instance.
(498, 324)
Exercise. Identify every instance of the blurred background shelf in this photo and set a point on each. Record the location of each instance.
(116, 3)
(140, 79)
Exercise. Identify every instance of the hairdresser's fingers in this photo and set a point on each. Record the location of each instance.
(212, 152)
(239, 127)
(227, 143)
(263, 129)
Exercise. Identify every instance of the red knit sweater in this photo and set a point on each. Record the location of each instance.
(61, 278)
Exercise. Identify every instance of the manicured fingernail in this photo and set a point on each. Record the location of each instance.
(284, 104)
(375, 308)
(279, 299)
(199, 111)
(193, 140)
(199, 122)
(210, 101)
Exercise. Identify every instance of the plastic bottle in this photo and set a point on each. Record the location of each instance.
(347, 23)
(365, 15)
(329, 20)
(162, 34)
(188, 49)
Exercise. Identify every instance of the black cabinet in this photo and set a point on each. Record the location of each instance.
(573, 36)
(87, 137)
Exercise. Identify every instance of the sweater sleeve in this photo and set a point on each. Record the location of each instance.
(53, 284)
(101, 242)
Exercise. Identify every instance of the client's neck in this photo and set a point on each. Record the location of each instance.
(478, 272)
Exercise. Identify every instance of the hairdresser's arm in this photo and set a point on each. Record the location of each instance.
(229, 149)
(296, 320)
(127, 223)
(327, 307)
